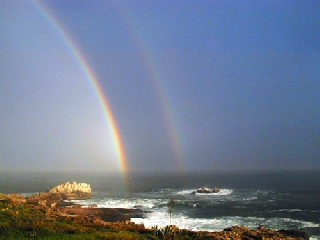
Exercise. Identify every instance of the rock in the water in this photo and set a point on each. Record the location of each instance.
(206, 190)
(72, 190)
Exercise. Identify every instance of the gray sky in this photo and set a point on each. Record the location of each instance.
(210, 85)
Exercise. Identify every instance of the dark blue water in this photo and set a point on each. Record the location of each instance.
(282, 200)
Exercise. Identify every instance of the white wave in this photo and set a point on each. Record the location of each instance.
(161, 219)
(314, 237)
(222, 192)
(249, 198)
(287, 210)
(185, 192)
(118, 203)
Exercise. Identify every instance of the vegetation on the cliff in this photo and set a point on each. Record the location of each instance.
(22, 220)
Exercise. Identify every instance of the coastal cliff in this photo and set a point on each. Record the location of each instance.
(23, 219)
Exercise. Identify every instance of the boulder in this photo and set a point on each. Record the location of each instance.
(72, 191)
(206, 190)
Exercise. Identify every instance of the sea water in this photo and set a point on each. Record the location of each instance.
(281, 200)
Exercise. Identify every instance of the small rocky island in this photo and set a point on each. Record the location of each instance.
(72, 190)
(206, 190)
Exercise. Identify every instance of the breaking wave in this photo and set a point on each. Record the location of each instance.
(222, 192)
(160, 219)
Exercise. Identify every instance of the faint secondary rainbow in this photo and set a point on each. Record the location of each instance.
(156, 80)
(95, 83)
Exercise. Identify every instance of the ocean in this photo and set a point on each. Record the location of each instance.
(277, 200)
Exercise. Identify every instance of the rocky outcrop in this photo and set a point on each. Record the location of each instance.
(72, 191)
(65, 191)
(241, 232)
(206, 190)
(105, 214)
(12, 199)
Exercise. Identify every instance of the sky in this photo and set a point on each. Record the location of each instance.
(192, 85)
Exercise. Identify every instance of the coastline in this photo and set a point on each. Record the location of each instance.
(30, 219)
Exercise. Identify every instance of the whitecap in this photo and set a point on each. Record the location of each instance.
(222, 192)
(287, 210)
(314, 237)
(126, 203)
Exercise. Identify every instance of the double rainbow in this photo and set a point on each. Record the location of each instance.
(151, 70)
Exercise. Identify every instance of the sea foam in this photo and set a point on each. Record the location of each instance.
(222, 192)
(161, 219)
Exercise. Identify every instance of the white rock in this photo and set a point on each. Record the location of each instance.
(71, 188)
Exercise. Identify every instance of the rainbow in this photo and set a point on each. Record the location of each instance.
(156, 80)
(95, 83)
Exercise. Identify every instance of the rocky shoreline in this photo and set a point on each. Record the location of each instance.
(104, 214)
(50, 206)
